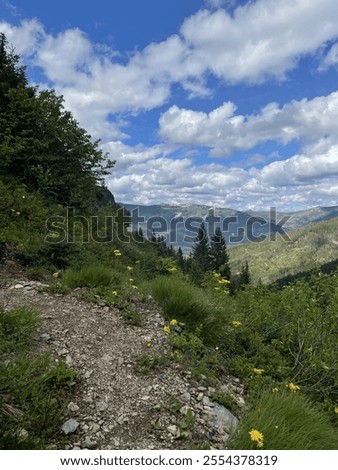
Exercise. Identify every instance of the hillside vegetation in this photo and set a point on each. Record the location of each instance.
(308, 248)
(278, 345)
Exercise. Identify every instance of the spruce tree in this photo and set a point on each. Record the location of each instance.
(180, 259)
(201, 250)
(218, 254)
(244, 276)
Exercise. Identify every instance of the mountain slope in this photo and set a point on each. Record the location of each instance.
(308, 248)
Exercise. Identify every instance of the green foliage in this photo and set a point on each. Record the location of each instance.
(148, 362)
(132, 316)
(186, 424)
(226, 399)
(219, 255)
(33, 386)
(41, 144)
(91, 276)
(288, 421)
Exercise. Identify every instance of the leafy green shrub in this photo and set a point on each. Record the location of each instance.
(287, 421)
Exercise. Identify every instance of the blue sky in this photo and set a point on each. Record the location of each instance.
(217, 102)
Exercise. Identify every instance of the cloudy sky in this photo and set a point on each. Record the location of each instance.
(231, 103)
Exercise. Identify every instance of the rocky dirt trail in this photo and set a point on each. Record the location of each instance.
(113, 406)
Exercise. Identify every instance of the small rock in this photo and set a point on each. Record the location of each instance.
(45, 337)
(120, 361)
(73, 407)
(107, 358)
(200, 396)
(88, 374)
(95, 428)
(201, 389)
(69, 360)
(185, 397)
(70, 426)
(145, 397)
(102, 406)
(88, 444)
(173, 429)
(18, 286)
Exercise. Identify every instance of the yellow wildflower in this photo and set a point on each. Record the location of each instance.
(18, 213)
(114, 293)
(173, 322)
(131, 280)
(134, 287)
(256, 436)
(294, 388)
(236, 323)
(258, 371)
(166, 329)
(149, 344)
(275, 389)
(336, 409)
(216, 275)
(172, 270)
(56, 275)
(130, 268)
(117, 253)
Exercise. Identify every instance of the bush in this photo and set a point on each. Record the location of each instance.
(287, 421)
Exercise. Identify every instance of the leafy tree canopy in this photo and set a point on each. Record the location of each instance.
(41, 144)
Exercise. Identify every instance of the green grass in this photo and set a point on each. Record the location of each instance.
(288, 421)
(197, 309)
(33, 387)
(91, 276)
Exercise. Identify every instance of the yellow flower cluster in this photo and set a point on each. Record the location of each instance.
(173, 322)
(223, 281)
(258, 371)
(256, 436)
(236, 323)
(166, 329)
(294, 388)
(117, 253)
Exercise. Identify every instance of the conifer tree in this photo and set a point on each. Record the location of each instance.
(244, 276)
(201, 250)
(180, 259)
(218, 254)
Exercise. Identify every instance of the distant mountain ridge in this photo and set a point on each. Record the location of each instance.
(237, 226)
